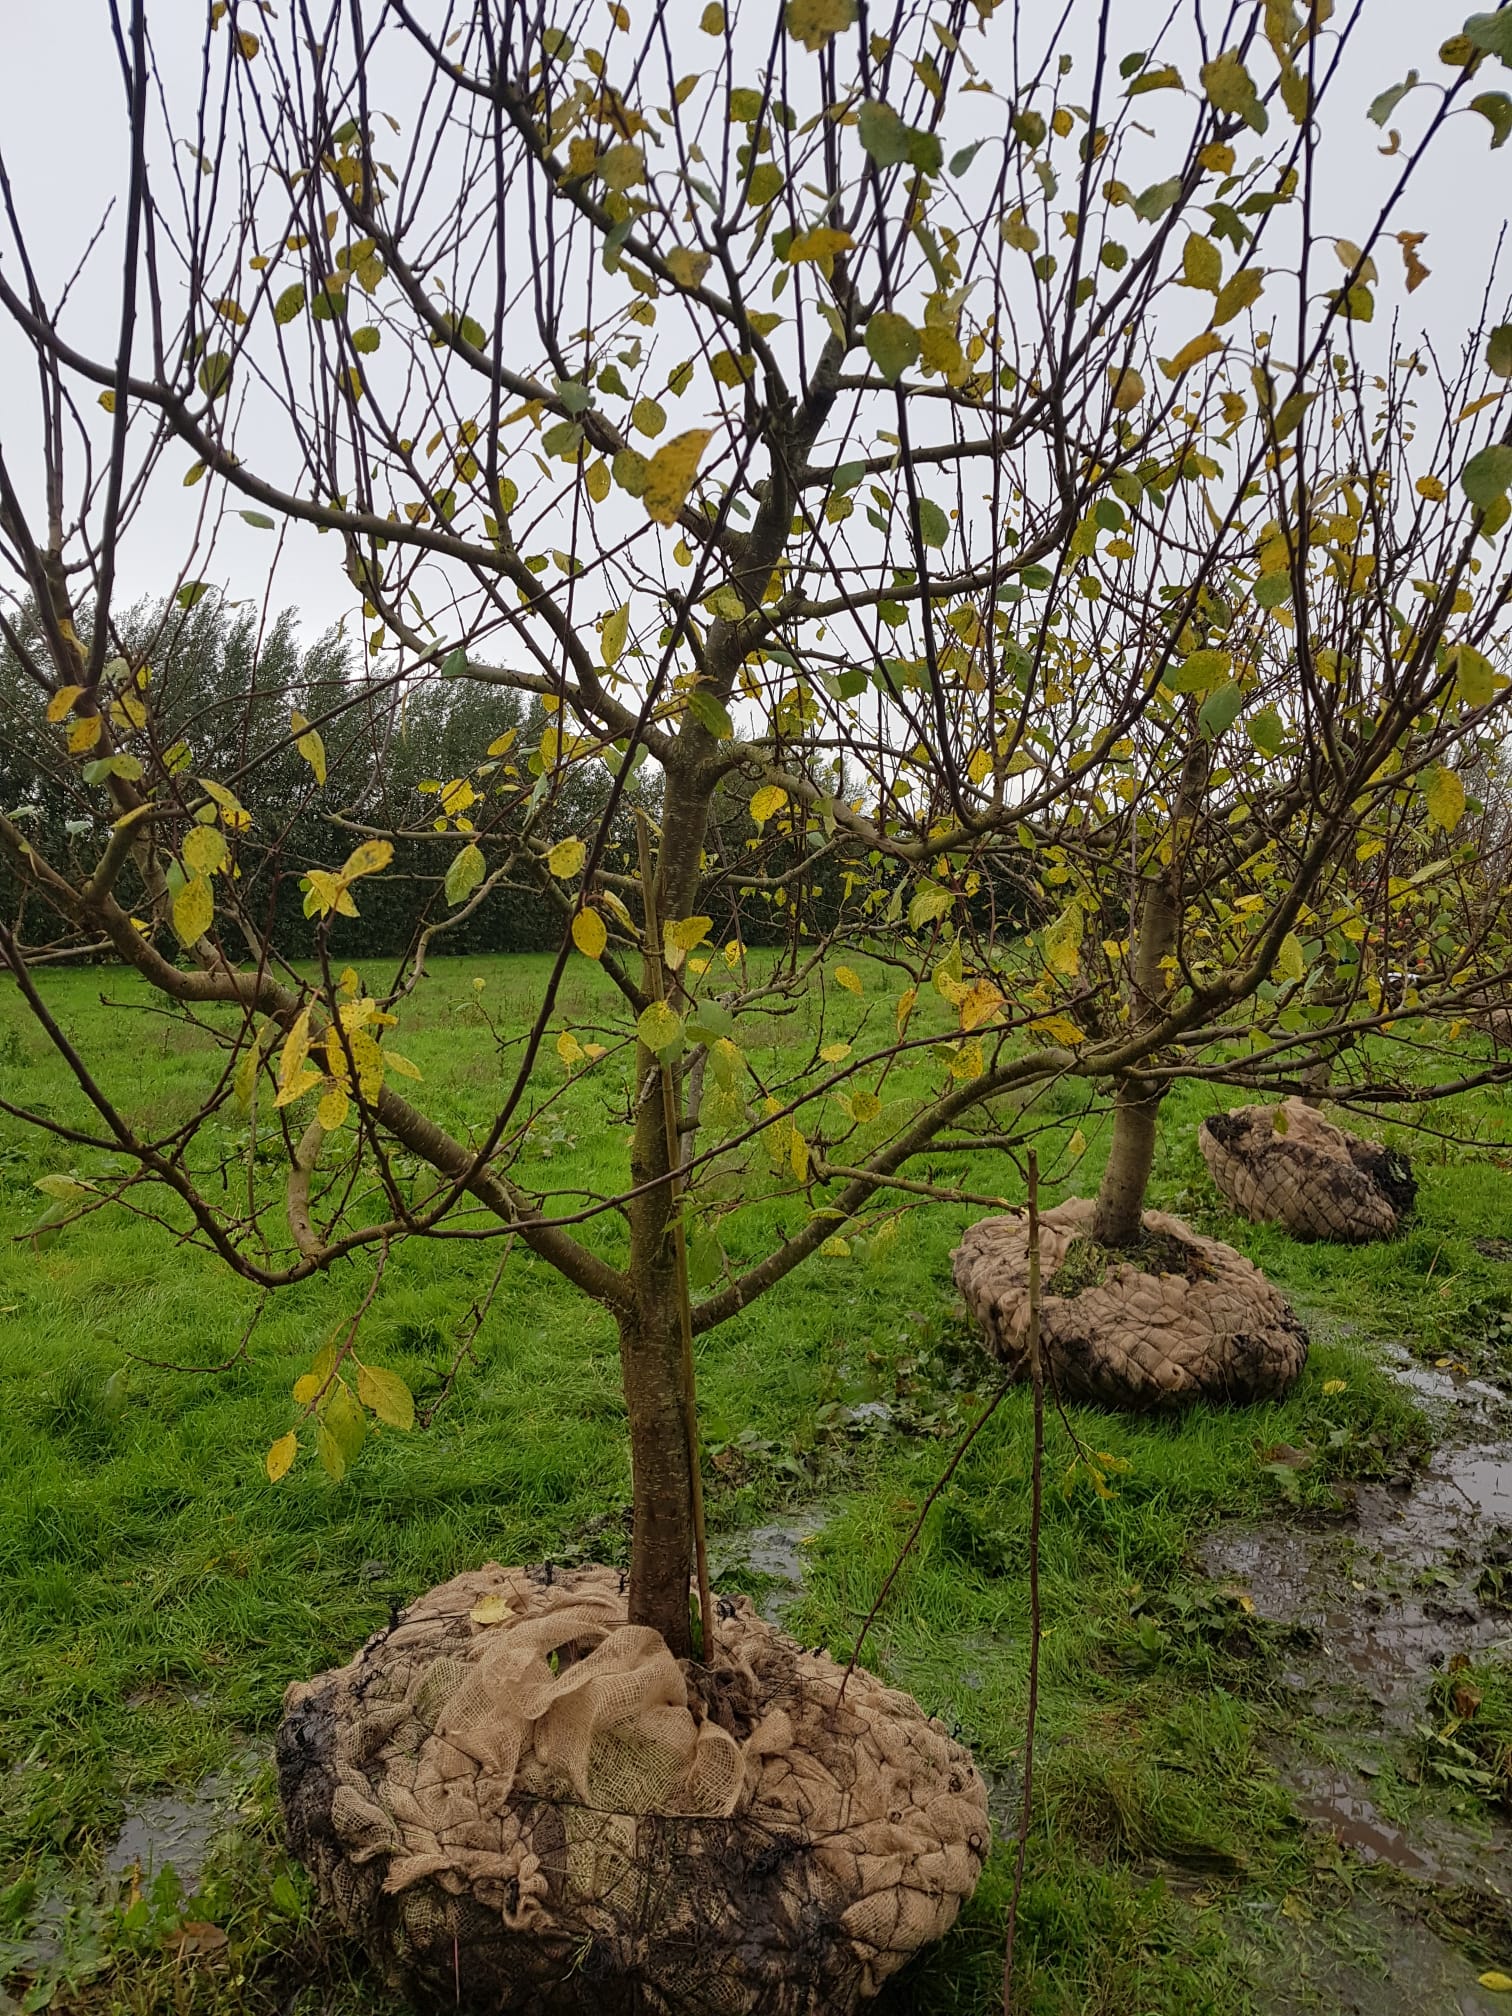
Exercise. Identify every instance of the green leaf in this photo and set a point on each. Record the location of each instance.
(289, 303)
(888, 141)
(1499, 350)
(328, 1449)
(215, 374)
(1474, 675)
(963, 157)
(932, 901)
(661, 1030)
(1497, 107)
(388, 1396)
(1488, 475)
(1265, 731)
(711, 713)
(344, 1421)
(1157, 199)
(465, 873)
(259, 519)
(1493, 33)
(1201, 673)
(366, 340)
(1219, 711)
(892, 343)
(934, 526)
(190, 593)
(454, 664)
(1273, 589)
(1382, 107)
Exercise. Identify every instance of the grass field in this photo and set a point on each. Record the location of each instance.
(157, 1593)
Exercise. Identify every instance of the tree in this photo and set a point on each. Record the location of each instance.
(961, 533)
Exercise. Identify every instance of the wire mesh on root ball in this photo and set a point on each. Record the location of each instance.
(518, 1801)
(1287, 1165)
(1175, 1319)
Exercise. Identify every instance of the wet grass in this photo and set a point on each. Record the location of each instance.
(157, 1594)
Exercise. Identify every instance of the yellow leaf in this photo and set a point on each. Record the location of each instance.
(1446, 798)
(296, 1049)
(1191, 353)
(296, 1088)
(400, 1064)
(205, 850)
(1335, 1386)
(502, 744)
(813, 22)
(612, 636)
(1431, 488)
(1497, 1982)
(589, 934)
(769, 799)
(307, 741)
(332, 1110)
(798, 1156)
(193, 910)
(979, 769)
(490, 1610)
(279, 1460)
(865, 1106)
(835, 1053)
(1060, 1027)
(906, 1002)
(968, 1062)
(1128, 389)
(234, 815)
(307, 1388)
(367, 859)
(850, 981)
(61, 703)
(686, 932)
(1237, 294)
(566, 858)
(1289, 960)
(569, 1049)
(83, 733)
(818, 246)
(687, 268)
(327, 892)
(660, 1029)
(596, 476)
(388, 1396)
(670, 474)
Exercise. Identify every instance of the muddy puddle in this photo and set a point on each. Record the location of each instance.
(1379, 1595)
(774, 1555)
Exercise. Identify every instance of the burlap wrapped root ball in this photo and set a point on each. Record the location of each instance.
(1184, 1318)
(518, 1801)
(1287, 1165)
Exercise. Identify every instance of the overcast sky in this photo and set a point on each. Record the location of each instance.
(65, 144)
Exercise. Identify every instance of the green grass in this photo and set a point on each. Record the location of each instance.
(157, 1593)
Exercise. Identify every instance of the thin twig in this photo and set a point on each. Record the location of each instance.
(918, 1526)
(1037, 1378)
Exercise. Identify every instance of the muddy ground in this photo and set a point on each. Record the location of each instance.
(1379, 1600)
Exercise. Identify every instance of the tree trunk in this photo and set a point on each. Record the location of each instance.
(661, 1547)
(1120, 1196)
